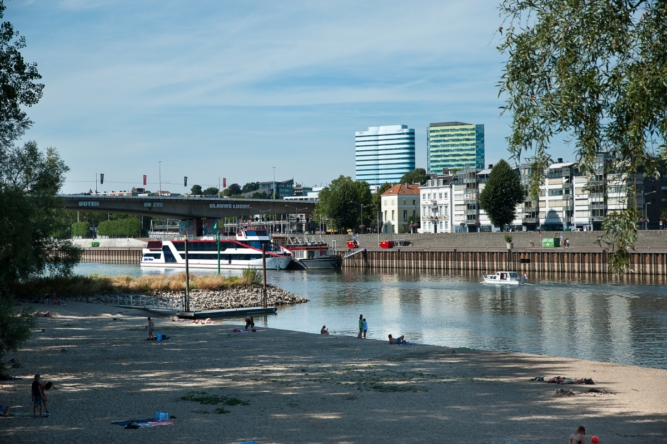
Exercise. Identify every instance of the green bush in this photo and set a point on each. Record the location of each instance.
(80, 229)
(126, 227)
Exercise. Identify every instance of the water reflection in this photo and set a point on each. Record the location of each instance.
(595, 317)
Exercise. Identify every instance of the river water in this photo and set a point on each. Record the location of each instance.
(589, 319)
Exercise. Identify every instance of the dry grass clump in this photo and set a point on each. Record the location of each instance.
(84, 285)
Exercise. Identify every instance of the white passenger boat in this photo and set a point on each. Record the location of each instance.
(503, 278)
(245, 251)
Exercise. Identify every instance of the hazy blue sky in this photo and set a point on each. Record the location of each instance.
(232, 88)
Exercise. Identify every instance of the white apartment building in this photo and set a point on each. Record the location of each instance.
(398, 204)
(436, 204)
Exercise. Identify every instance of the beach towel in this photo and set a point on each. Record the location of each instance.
(24, 415)
(238, 330)
(150, 422)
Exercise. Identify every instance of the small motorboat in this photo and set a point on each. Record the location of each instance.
(503, 278)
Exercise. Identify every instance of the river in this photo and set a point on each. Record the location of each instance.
(590, 319)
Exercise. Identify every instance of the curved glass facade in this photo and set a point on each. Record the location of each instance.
(384, 153)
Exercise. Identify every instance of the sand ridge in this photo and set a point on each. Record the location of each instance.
(310, 388)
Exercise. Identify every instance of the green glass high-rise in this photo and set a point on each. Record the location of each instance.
(454, 145)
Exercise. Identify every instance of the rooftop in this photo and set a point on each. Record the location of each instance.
(397, 190)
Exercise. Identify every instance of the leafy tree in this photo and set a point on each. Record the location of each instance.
(14, 328)
(336, 203)
(17, 83)
(501, 195)
(377, 199)
(417, 176)
(31, 214)
(594, 72)
(233, 190)
(210, 191)
(124, 227)
(81, 229)
(260, 195)
(196, 190)
(250, 186)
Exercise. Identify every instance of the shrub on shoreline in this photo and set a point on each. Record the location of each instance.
(87, 285)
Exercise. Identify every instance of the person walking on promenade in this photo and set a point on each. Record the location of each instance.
(150, 329)
(37, 395)
(361, 326)
(578, 437)
(365, 327)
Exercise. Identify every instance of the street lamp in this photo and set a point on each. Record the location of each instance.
(646, 204)
(361, 222)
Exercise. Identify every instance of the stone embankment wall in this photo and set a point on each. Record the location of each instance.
(490, 260)
(578, 239)
(211, 299)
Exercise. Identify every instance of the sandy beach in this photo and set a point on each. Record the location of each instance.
(290, 387)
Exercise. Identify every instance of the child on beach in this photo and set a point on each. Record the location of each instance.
(365, 327)
(45, 386)
(361, 326)
(150, 329)
(578, 437)
(37, 395)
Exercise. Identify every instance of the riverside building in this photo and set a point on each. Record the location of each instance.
(384, 154)
(436, 204)
(454, 145)
(399, 206)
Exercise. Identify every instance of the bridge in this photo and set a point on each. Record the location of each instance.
(185, 207)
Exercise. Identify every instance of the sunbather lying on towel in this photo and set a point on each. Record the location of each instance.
(398, 341)
(562, 380)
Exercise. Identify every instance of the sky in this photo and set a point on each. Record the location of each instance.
(241, 89)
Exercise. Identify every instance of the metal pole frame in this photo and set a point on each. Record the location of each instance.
(217, 238)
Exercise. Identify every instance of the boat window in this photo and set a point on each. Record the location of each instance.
(168, 255)
(153, 255)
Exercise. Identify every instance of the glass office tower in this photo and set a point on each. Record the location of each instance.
(454, 145)
(384, 154)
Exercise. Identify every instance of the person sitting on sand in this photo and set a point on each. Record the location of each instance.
(578, 437)
(249, 322)
(150, 329)
(324, 331)
(398, 341)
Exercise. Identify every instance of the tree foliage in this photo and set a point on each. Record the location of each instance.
(81, 229)
(417, 176)
(18, 87)
(250, 186)
(501, 194)
(594, 72)
(232, 190)
(14, 328)
(377, 199)
(126, 227)
(33, 221)
(336, 203)
(196, 190)
(210, 191)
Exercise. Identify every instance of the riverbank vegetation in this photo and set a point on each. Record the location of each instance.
(64, 286)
